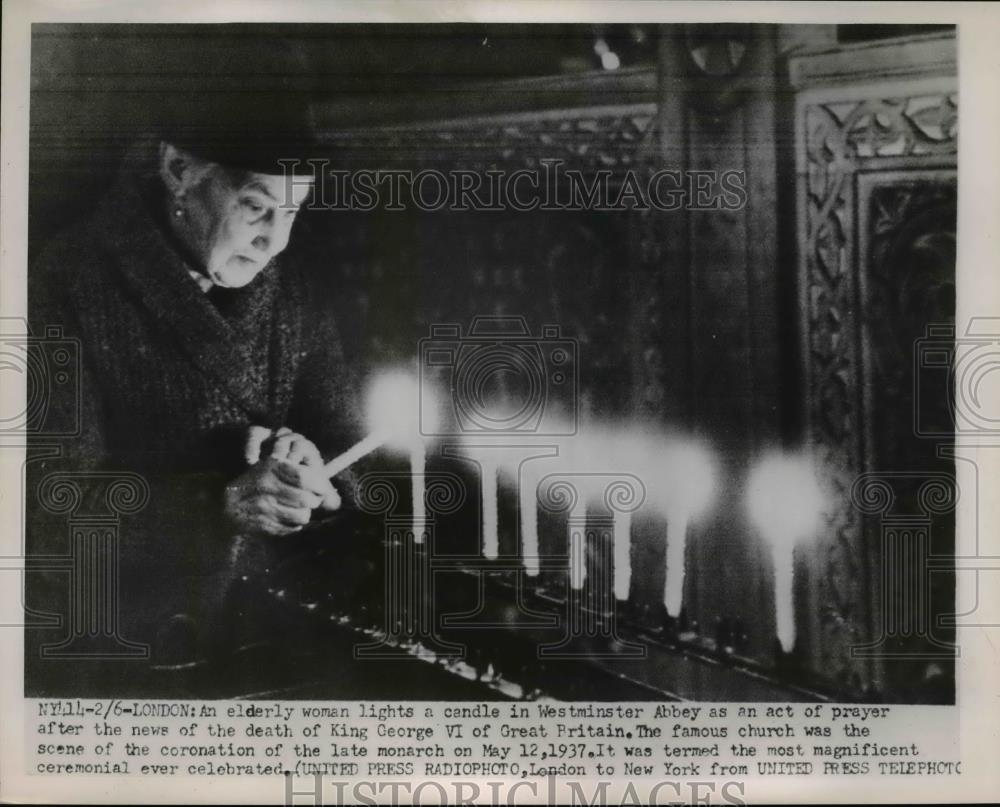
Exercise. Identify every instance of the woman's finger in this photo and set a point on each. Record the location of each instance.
(310, 454)
(256, 435)
(292, 516)
(302, 476)
(290, 496)
(281, 446)
(301, 451)
(332, 500)
(271, 526)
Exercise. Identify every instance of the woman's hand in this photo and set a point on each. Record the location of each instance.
(277, 494)
(283, 444)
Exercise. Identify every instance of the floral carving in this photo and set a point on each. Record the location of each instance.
(585, 139)
(839, 140)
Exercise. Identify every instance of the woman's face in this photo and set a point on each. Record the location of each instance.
(235, 224)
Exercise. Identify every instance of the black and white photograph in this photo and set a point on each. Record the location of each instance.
(590, 362)
(587, 381)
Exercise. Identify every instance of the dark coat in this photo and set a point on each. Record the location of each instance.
(169, 382)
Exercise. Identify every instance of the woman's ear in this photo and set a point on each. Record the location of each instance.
(172, 168)
(179, 170)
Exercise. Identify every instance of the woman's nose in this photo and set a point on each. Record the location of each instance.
(272, 238)
(262, 242)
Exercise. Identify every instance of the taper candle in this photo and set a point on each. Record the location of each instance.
(785, 504)
(622, 539)
(394, 419)
(578, 544)
(687, 484)
(491, 518)
(418, 466)
(528, 505)
(673, 589)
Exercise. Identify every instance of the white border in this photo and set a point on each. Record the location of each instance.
(979, 285)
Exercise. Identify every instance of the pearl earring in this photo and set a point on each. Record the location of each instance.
(178, 212)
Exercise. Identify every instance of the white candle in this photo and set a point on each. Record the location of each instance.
(394, 419)
(624, 452)
(576, 457)
(622, 539)
(360, 449)
(490, 494)
(784, 602)
(785, 503)
(528, 496)
(418, 463)
(578, 544)
(687, 487)
(673, 589)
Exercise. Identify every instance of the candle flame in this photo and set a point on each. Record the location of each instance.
(784, 499)
(687, 479)
(394, 408)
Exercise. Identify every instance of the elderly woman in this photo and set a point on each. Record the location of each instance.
(207, 367)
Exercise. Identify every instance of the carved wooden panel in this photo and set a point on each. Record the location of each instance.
(845, 134)
(908, 243)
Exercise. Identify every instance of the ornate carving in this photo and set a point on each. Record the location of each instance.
(911, 285)
(585, 139)
(839, 134)
(839, 139)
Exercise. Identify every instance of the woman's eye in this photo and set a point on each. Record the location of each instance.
(254, 207)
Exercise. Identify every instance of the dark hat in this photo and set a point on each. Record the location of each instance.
(247, 105)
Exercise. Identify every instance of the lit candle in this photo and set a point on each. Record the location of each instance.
(784, 599)
(394, 420)
(489, 454)
(578, 544)
(490, 494)
(362, 448)
(576, 456)
(528, 504)
(673, 588)
(528, 469)
(623, 453)
(601, 456)
(418, 467)
(687, 487)
(623, 553)
(785, 503)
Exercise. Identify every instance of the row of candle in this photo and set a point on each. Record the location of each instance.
(674, 476)
(625, 469)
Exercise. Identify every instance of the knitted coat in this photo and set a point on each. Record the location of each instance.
(168, 384)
